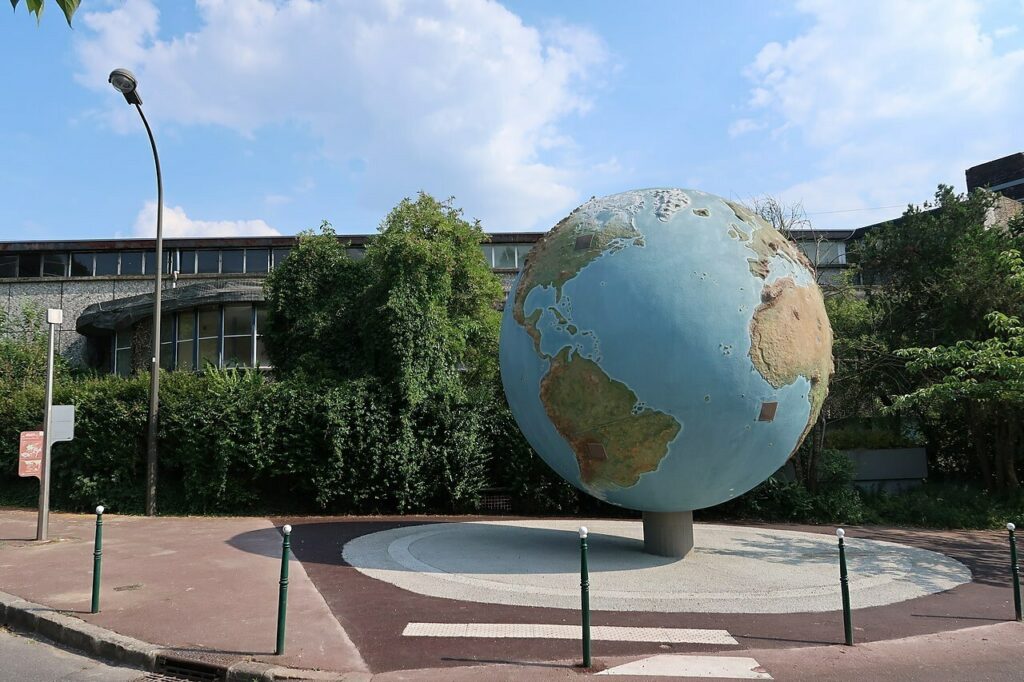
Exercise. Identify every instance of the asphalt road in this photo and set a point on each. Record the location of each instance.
(30, 660)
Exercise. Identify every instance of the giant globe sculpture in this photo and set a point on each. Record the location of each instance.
(665, 350)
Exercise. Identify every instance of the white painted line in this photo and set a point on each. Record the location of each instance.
(607, 633)
(677, 665)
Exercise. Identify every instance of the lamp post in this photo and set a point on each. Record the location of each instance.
(124, 82)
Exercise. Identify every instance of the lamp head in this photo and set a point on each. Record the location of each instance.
(124, 81)
(1010, 527)
(583, 532)
(840, 533)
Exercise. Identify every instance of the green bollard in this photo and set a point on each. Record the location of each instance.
(585, 596)
(282, 596)
(844, 583)
(97, 560)
(1016, 571)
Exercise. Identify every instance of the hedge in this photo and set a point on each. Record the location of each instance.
(236, 442)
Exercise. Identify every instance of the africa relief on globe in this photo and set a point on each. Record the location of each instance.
(665, 349)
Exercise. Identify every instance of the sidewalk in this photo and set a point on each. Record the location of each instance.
(204, 588)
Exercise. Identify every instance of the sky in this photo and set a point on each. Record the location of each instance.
(274, 115)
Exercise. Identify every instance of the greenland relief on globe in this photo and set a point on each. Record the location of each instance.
(665, 349)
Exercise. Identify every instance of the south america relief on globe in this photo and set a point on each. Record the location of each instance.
(665, 349)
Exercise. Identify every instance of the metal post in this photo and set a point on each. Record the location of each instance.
(282, 597)
(1016, 571)
(154, 367)
(97, 560)
(54, 317)
(844, 583)
(585, 596)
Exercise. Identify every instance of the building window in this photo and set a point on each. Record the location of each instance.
(824, 252)
(82, 264)
(238, 329)
(356, 253)
(505, 256)
(232, 261)
(280, 255)
(8, 266)
(207, 262)
(187, 262)
(262, 359)
(521, 251)
(30, 265)
(150, 262)
(167, 336)
(55, 265)
(257, 260)
(123, 352)
(131, 263)
(106, 263)
(186, 351)
(208, 335)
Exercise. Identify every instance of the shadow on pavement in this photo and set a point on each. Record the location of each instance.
(322, 542)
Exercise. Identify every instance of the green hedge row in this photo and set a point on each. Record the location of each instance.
(235, 442)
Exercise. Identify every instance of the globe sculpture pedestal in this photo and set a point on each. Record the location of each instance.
(665, 350)
(668, 533)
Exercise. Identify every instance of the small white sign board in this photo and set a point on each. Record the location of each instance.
(62, 423)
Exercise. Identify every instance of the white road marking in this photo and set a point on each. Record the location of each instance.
(678, 665)
(606, 633)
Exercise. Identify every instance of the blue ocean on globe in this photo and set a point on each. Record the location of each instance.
(665, 349)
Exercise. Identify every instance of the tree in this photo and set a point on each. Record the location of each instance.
(431, 309)
(936, 271)
(313, 310)
(982, 383)
(934, 276)
(36, 7)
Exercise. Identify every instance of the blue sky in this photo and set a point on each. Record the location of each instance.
(274, 115)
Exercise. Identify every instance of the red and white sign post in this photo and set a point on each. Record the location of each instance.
(30, 454)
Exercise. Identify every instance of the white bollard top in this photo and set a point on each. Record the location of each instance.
(840, 532)
(1010, 526)
(99, 509)
(583, 532)
(287, 530)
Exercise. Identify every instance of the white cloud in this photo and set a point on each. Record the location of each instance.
(455, 97)
(894, 96)
(178, 224)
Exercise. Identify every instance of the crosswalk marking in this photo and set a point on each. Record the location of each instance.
(678, 665)
(607, 633)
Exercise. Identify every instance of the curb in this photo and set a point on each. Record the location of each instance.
(92, 640)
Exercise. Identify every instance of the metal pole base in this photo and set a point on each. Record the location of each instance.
(668, 533)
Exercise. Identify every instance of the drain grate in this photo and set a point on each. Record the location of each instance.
(194, 671)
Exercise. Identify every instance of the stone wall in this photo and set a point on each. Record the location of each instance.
(73, 296)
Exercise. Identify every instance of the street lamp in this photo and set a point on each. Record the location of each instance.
(124, 82)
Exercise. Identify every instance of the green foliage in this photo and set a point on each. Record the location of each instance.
(982, 383)
(23, 344)
(313, 310)
(833, 500)
(937, 505)
(68, 7)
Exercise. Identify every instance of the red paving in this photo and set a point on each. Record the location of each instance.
(374, 613)
(209, 585)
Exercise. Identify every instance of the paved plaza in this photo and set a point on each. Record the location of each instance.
(410, 597)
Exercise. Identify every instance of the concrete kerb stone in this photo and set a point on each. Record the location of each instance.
(20, 614)
(74, 633)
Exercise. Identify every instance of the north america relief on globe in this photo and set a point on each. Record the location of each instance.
(665, 349)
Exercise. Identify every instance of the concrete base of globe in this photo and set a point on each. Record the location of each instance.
(668, 533)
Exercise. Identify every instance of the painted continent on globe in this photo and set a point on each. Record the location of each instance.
(665, 349)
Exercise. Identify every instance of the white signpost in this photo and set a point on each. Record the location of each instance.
(58, 426)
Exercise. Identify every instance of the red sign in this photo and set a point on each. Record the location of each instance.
(30, 454)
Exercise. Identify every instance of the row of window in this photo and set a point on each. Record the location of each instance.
(506, 256)
(193, 261)
(113, 263)
(222, 336)
(824, 252)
